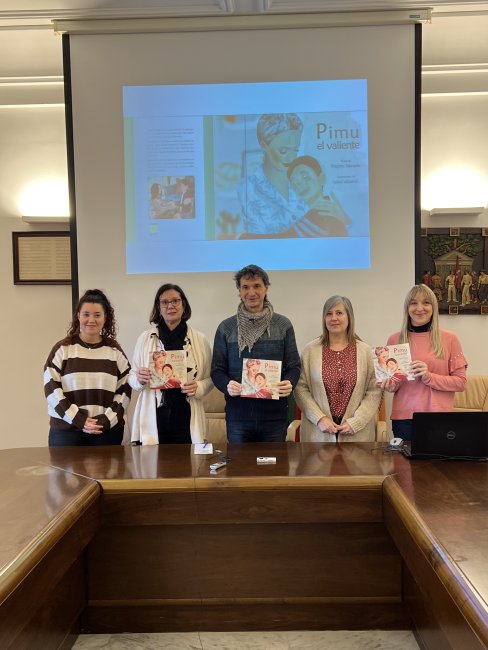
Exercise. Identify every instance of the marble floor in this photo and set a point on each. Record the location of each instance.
(336, 640)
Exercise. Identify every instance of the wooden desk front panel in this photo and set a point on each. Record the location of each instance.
(240, 553)
(246, 561)
(330, 503)
(229, 505)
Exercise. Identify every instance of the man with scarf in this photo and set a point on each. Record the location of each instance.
(257, 332)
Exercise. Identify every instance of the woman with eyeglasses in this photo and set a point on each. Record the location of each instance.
(172, 415)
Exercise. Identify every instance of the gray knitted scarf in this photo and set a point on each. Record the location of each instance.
(250, 327)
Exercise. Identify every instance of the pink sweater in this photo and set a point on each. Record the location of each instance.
(435, 392)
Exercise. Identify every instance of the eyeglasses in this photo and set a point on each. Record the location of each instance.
(174, 302)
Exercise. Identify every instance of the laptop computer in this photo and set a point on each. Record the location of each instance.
(456, 434)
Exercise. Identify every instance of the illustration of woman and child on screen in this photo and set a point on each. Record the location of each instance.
(284, 197)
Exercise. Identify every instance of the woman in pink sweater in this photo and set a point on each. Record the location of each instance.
(438, 363)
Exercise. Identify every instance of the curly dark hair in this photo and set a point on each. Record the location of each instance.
(250, 272)
(96, 296)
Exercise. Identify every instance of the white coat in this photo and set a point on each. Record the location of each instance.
(144, 426)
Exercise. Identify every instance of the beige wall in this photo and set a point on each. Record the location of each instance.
(455, 135)
(33, 317)
(32, 145)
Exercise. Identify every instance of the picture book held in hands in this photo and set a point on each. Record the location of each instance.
(168, 369)
(392, 362)
(260, 378)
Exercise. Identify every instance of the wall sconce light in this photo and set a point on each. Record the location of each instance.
(453, 188)
(457, 212)
(45, 201)
(44, 219)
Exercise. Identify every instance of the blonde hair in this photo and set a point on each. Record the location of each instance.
(350, 332)
(435, 333)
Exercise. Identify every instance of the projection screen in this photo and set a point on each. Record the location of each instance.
(171, 135)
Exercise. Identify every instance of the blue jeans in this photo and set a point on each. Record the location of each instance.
(253, 431)
(402, 429)
(61, 438)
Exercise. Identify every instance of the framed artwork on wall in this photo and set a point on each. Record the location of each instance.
(455, 266)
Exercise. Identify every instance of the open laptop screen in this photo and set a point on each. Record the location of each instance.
(457, 434)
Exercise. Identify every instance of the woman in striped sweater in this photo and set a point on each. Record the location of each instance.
(86, 378)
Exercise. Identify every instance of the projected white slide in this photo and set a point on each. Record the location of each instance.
(215, 171)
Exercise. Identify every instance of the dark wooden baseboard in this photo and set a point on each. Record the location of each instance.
(337, 615)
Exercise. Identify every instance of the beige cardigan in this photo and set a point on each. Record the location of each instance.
(311, 397)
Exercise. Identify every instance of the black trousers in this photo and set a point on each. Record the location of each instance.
(173, 421)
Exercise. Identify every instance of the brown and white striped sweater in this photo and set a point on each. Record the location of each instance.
(82, 380)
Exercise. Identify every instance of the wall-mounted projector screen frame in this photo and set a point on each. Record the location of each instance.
(387, 57)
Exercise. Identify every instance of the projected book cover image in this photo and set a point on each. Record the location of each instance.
(260, 378)
(218, 169)
(392, 362)
(168, 369)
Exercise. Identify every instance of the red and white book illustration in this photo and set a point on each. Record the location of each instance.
(392, 362)
(260, 378)
(168, 369)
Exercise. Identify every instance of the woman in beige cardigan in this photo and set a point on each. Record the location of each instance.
(337, 390)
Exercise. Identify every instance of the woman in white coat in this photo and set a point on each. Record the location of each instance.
(176, 415)
(337, 390)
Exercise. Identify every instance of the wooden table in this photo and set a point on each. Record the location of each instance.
(48, 516)
(331, 537)
(437, 514)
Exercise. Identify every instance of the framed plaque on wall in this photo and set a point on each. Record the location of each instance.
(41, 257)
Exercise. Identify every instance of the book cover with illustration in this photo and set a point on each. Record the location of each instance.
(392, 362)
(260, 378)
(168, 369)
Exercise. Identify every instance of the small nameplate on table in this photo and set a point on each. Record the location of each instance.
(203, 448)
